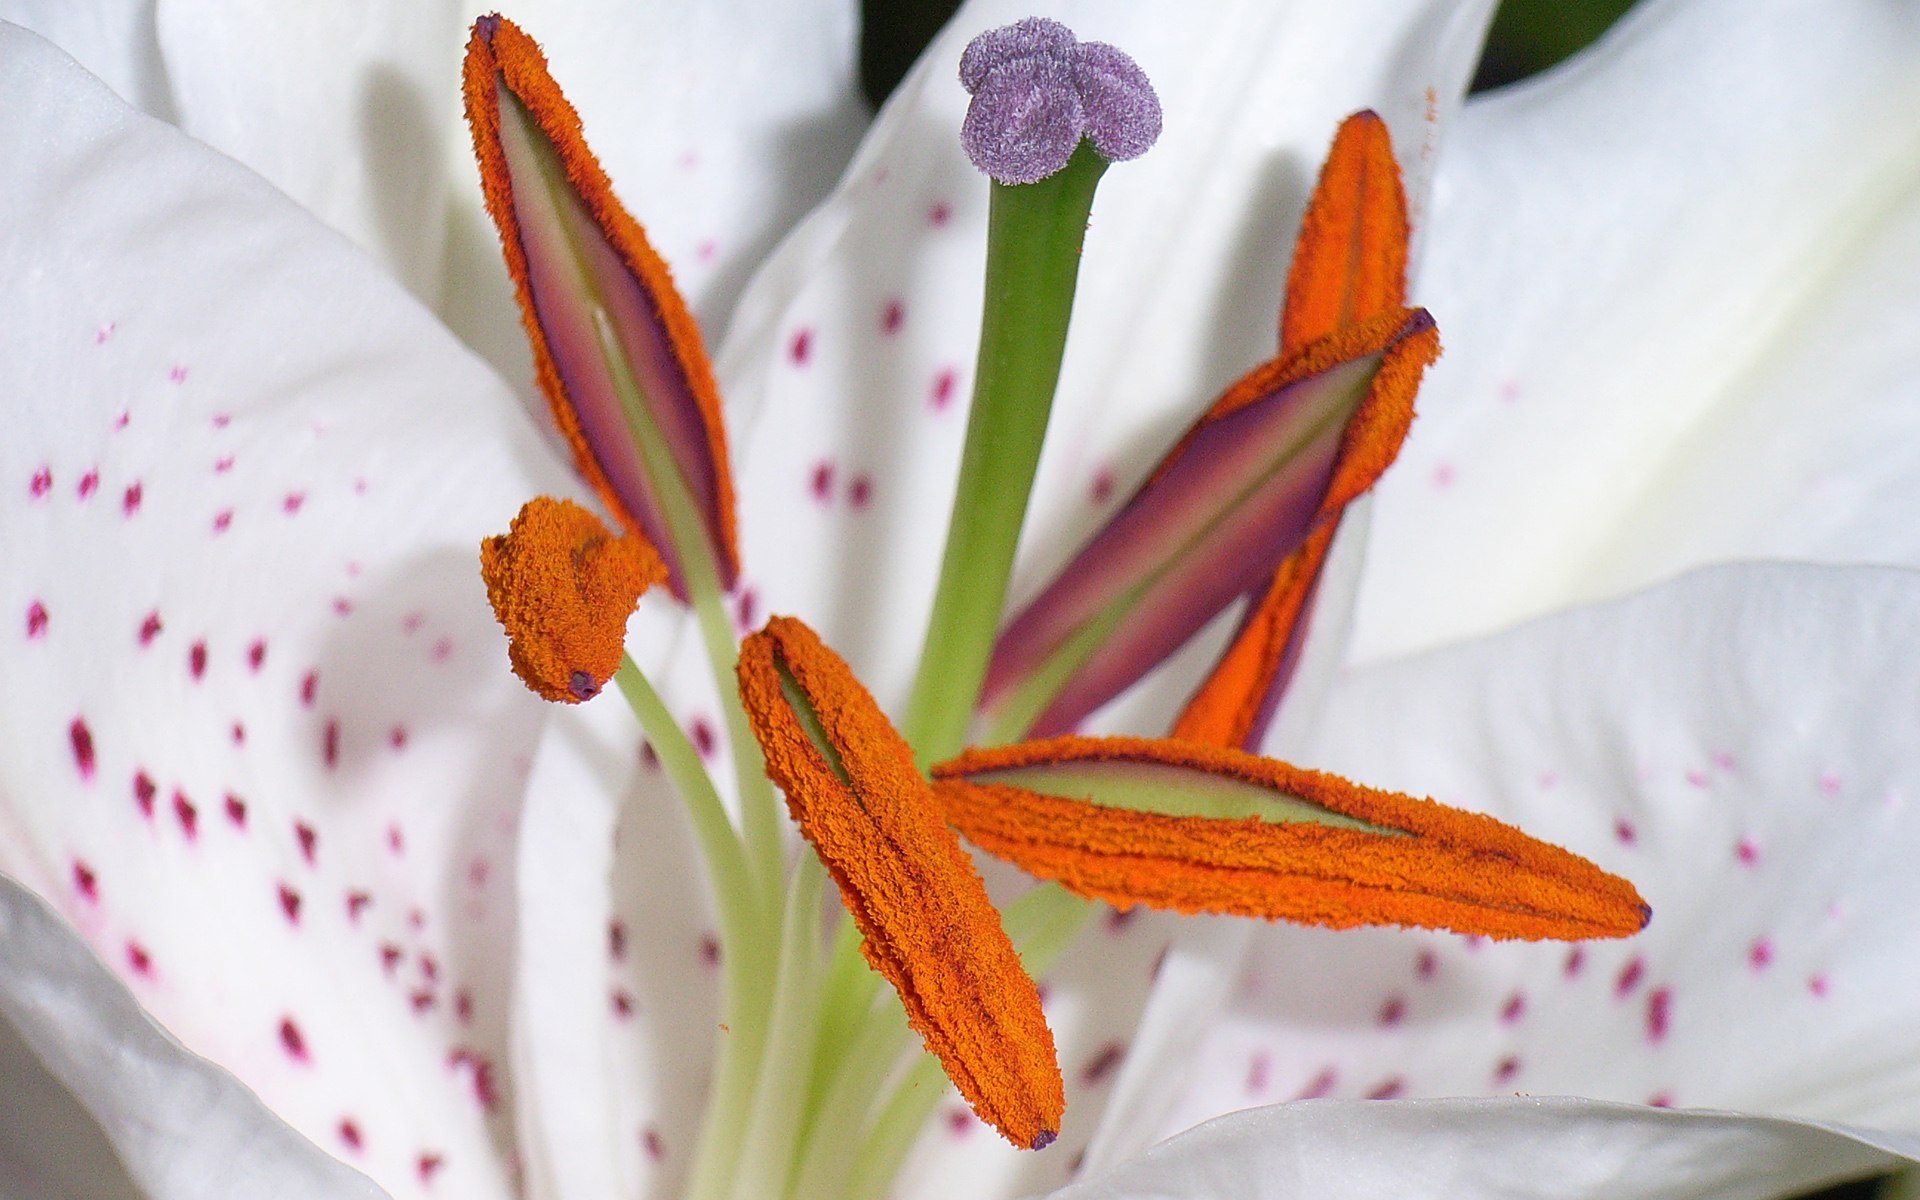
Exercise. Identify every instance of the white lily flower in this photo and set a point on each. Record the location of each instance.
(408, 1074)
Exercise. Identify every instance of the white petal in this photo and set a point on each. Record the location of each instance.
(1739, 745)
(345, 105)
(183, 1128)
(263, 751)
(850, 359)
(1673, 279)
(720, 123)
(1461, 1149)
(114, 39)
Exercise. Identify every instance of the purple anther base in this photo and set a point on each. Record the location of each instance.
(1037, 91)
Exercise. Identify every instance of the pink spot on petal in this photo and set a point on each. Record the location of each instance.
(800, 348)
(1659, 1008)
(1629, 978)
(85, 881)
(239, 733)
(821, 482)
(706, 250)
(1576, 959)
(1393, 1012)
(187, 814)
(1102, 489)
(703, 737)
(395, 842)
(357, 903)
(622, 1004)
(292, 502)
(223, 520)
(36, 619)
(442, 649)
(412, 622)
(178, 374)
(350, 1134)
(236, 811)
(103, 333)
(939, 214)
(41, 483)
(1623, 830)
(1505, 1070)
(390, 956)
(1817, 985)
(130, 499)
(1660, 1100)
(710, 950)
(221, 420)
(223, 464)
(1426, 965)
(256, 654)
(290, 904)
(428, 1165)
(397, 737)
(477, 873)
(1513, 1009)
(421, 999)
(1760, 954)
(1443, 476)
(1103, 1064)
(342, 607)
(330, 745)
(859, 492)
(197, 660)
(150, 628)
(120, 422)
(744, 610)
(943, 384)
(1320, 1086)
(1697, 779)
(463, 1006)
(1257, 1071)
(617, 941)
(309, 688)
(143, 792)
(308, 840)
(1747, 852)
(1829, 784)
(650, 1138)
(960, 1122)
(139, 959)
(893, 318)
(88, 483)
(1388, 1090)
(290, 1040)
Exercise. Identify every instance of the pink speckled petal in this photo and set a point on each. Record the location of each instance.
(1495, 1149)
(1738, 744)
(98, 1100)
(264, 751)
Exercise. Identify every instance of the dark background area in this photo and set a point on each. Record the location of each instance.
(1527, 36)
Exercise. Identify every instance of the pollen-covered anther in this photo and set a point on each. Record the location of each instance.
(1179, 825)
(921, 909)
(1037, 91)
(564, 587)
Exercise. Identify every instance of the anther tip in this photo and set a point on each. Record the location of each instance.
(1043, 1139)
(1646, 914)
(582, 685)
(487, 26)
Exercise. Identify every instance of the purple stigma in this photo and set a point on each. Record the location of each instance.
(1037, 91)
(1043, 1139)
(582, 686)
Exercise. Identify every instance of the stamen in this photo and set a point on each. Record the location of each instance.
(616, 351)
(920, 906)
(1349, 267)
(564, 587)
(1036, 90)
(1411, 862)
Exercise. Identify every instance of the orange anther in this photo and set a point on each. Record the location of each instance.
(924, 914)
(564, 587)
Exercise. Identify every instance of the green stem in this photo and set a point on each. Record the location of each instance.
(748, 950)
(860, 1073)
(773, 1127)
(894, 1131)
(1034, 232)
